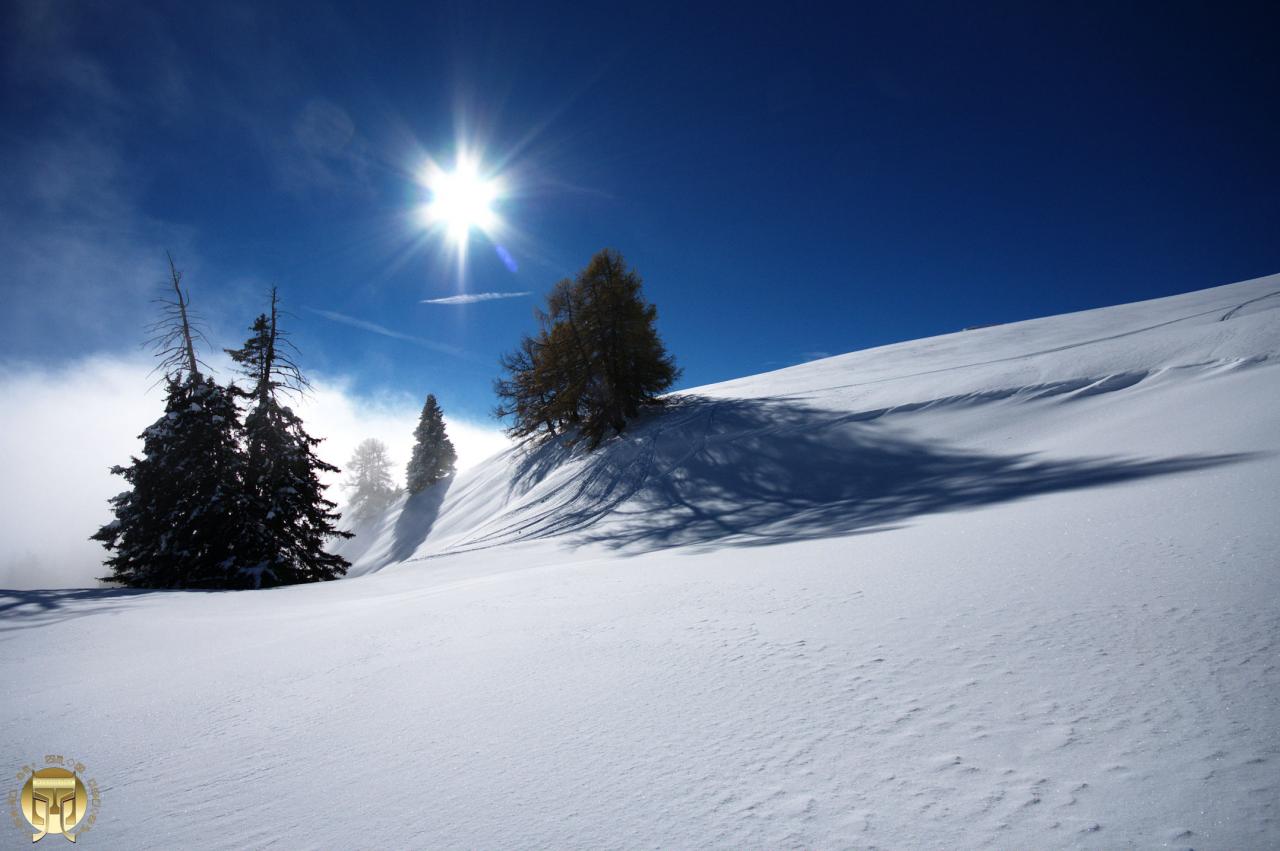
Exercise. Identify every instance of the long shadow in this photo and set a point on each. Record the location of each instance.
(23, 609)
(416, 519)
(736, 472)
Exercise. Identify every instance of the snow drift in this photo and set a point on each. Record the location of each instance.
(1010, 587)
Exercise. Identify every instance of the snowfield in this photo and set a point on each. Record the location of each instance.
(1014, 587)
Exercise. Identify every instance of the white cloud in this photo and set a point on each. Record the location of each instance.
(471, 298)
(61, 429)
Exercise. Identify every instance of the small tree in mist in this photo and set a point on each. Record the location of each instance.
(369, 479)
(292, 519)
(433, 456)
(594, 362)
(180, 524)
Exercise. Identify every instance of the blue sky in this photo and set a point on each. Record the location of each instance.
(791, 182)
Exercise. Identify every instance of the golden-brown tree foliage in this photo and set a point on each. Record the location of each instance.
(595, 360)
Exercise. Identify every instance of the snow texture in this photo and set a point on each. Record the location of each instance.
(1011, 587)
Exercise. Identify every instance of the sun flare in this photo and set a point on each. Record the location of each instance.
(461, 200)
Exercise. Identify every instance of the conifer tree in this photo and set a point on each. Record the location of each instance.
(369, 479)
(179, 525)
(433, 456)
(595, 360)
(291, 518)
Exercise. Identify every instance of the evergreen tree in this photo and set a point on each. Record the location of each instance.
(433, 455)
(179, 524)
(595, 360)
(369, 479)
(291, 519)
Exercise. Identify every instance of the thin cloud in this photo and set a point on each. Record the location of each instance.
(322, 150)
(472, 298)
(375, 328)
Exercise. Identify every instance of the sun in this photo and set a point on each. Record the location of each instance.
(461, 200)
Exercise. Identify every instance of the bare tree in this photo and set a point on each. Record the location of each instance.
(173, 335)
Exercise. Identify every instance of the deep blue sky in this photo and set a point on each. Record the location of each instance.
(789, 182)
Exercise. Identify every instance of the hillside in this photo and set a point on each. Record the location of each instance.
(1009, 587)
(849, 442)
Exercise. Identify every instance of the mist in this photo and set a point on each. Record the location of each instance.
(63, 428)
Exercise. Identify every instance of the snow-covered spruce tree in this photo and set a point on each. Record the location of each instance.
(369, 479)
(433, 455)
(290, 518)
(179, 525)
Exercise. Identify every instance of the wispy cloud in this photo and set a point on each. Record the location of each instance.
(375, 328)
(472, 298)
(322, 150)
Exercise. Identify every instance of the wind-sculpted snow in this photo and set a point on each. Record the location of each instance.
(1014, 587)
(759, 472)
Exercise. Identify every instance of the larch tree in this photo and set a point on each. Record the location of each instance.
(595, 361)
(291, 518)
(434, 457)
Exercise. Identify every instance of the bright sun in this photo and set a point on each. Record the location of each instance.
(461, 200)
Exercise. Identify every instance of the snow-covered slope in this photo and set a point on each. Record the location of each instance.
(848, 442)
(1011, 587)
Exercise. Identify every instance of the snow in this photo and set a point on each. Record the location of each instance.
(1011, 587)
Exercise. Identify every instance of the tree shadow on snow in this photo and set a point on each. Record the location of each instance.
(739, 472)
(416, 519)
(23, 609)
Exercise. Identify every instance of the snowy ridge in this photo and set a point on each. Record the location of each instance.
(1014, 587)
(814, 409)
